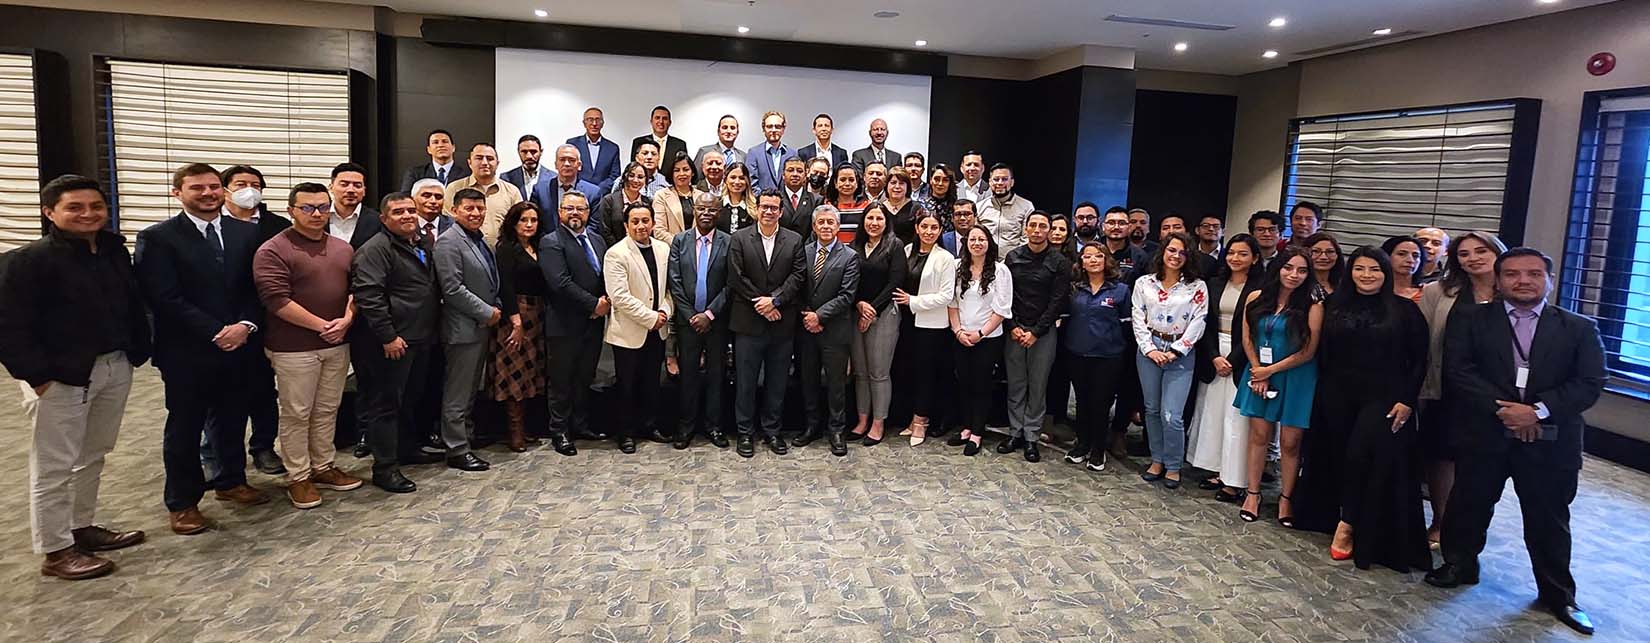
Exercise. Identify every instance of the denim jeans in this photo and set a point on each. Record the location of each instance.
(1165, 389)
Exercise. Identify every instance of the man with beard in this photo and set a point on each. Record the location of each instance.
(526, 177)
(1085, 219)
(572, 262)
(1140, 225)
(767, 161)
(1004, 213)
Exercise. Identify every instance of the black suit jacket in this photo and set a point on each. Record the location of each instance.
(751, 274)
(838, 155)
(574, 286)
(366, 228)
(799, 219)
(1566, 374)
(683, 277)
(1208, 346)
(426, 170)
(832, 294)
(191, 297)
(270, 224)
(668, 155)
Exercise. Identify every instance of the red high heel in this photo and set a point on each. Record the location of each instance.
(1336, 554)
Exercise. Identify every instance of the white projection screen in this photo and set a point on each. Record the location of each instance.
(545, 93)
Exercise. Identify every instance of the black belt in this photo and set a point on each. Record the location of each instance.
(1167, 337)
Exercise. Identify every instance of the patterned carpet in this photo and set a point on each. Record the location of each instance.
(888, 544)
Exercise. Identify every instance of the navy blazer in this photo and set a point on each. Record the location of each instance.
(602, 171)
(764, 174)
(574, 286)
(949, 242)
(683, 277)
(191, 297)
(518, 178)
(459, 170)
(544, 194)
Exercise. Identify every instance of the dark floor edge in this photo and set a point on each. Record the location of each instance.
(1618, 448)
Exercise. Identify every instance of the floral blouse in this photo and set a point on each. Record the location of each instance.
(1181, 309)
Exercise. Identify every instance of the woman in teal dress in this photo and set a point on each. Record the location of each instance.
(1275, 389)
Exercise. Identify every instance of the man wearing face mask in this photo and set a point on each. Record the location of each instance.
(796, 212)
(819, 173)
(245, 185)
(1004, 213)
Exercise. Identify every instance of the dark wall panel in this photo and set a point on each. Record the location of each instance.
(451, 88)
(1105, 131)
(1182, 152)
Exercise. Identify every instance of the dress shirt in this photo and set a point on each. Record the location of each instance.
(703, 246)
(1180, 310)
(715, 189)
(658, 183)
(767, 241)
(257, 213)
(975, 308)
(595, 148)
(340, 227)
(500, 196)
(530, 181)
(442, 170)
(1521, 352)
(974, 192)
(217, 230)
(795, 197)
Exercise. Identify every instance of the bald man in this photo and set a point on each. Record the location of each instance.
(877, 150)
(1435, 242)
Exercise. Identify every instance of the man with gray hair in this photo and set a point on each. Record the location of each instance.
(548, 194)
(828, 315)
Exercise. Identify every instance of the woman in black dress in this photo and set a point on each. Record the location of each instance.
(1373, 357)
(517, 372)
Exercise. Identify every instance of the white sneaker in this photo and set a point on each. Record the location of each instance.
(1075, 458)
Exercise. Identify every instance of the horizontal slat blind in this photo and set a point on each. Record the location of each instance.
(292, 126)
(1382, 175)
(19, 153)
(1606, 271)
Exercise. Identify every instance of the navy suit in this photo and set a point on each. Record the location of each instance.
(518, 178)
(711, 346)
(765, 174)
(602, 171)
(192, 298)
(546, 194)
(574, 338)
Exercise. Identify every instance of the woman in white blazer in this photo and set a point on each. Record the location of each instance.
(924, 351)
(634, 272)
(673, 206)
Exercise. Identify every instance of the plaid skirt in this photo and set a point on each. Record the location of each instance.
(517, 372)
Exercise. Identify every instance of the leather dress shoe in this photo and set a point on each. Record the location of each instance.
(955, 440)
(627, 444)
(362, 449)
(746, 447)
(718, 438)
(589, 434)
(660, 436)
(243, 495)
(776, 444)
(1032, 454)
(682, 441)
(188, 522)
(70, 563)
(839, 446)
(1010, 445)
(805, 438)
(971, 448)
(95, 538)
(562, 444)
(1574, 617)
(421, 457)
(393, 482)
(268, 462)
(1452, 575)
(467, 462)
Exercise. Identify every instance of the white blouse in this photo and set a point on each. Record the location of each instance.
(974, 308)
(1181, 309)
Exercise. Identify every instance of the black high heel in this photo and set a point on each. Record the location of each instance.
(1244, 514)
(1288, 521)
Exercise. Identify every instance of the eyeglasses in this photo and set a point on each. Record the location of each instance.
(324, 208)
(1266, 229)
(570, 207)
(1323, 252)
(1208, 226)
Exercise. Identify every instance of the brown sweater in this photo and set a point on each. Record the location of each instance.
(315, 274)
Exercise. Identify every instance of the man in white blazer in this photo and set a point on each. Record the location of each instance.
(634, 272)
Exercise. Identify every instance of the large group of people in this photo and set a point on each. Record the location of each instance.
(874, 281)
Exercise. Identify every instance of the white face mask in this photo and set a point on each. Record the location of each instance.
(247, 197)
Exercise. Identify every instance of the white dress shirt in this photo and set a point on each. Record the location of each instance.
(341, 228)
(768, 241)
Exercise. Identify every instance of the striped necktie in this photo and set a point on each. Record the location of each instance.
(819, 262)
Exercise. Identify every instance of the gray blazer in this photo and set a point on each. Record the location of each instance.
(832, 295)
(469, 287)
(699, 156)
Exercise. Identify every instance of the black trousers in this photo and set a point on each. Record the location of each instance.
(824, 367)
(701, 392)
(1096, 380)
(389, 391)
(924, 364)
(203, 398)
(1060, 381)
(974, 368)
(1544, 495)
(1130, 399)
(754, 354)
(637, 371)
(261, 406)
(571, 366)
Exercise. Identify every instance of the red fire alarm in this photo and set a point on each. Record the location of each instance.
(1601, 63)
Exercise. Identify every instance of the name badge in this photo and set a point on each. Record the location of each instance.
(1522, 378)
(1265, 355)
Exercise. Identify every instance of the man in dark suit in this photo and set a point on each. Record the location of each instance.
(768, 159)
(1521, 373)
(828, 315)
(549, 192)
(659, 121)
(796, 212)
(765, 271)
(698, 278)
(442, 167)
(599, 157)
(352, 221)
(727, 135)
(823, 126)
(877, 151)
(526, 176)
(195, 270)
(571, 258)
(962, 219)
(243, 187)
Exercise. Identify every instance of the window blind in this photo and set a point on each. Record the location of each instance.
(291, 125)
(1606, 271)
(1386, 174)
(19, 153)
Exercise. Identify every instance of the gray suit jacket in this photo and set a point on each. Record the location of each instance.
(864, 155)
(699, 156)
(832, 294)
(469, 287)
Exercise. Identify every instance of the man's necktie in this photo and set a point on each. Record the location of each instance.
(793, 201)
(819, 262)
(727, 157)
(216, 243)
(441, 175)
(589, 253)
(1524, 334)
(699, 285)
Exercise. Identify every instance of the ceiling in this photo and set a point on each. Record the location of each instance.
(1031, 29)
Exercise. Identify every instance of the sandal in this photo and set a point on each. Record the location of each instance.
(1244, 514)
(1288, 521)
(1211, 483)
(1226, 496)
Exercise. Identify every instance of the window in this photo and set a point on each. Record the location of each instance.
(1606, 271)
(293, 126)
(19, 153)
(1379, 175)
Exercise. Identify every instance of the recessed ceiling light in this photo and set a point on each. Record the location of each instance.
(541, 13)
(1180, 46)
(1269, 54)
(744, 29)
(921, 43)
(1548, 1)
(1383, 31)
(885, 14)
(1278, 22)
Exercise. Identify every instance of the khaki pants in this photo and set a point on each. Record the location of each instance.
(74, 428)
(308, 386)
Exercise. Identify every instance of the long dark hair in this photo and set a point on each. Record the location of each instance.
(951, 184)
(1352, 309)
(1069, 246)
(1295, 308)
(862, 237)
(507, 229)
(965, 260)
(1225, 270)
(1392, 244)
(1188, 266)
(1455, 277)
(831, 195)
